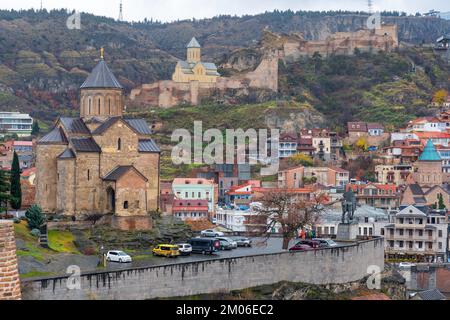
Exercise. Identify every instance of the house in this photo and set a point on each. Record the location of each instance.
(373, 132)
(240, 196)
(418, 195)
(191, 209)
(415, 234)
(393, 174)
(328, 176)
(288, 145)
(195, 189)
(426, 124)
(16, 123)
(376, 195)
(242, 221)
(305, 146)
(291, 178)
(375, 129)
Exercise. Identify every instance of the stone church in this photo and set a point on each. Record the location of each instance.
(101, 162)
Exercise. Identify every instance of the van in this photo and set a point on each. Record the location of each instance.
(166, 250)
(204, 246)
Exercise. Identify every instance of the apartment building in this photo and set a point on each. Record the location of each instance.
(377, 195)
(393, 174)
(15, 123)
(196, 189)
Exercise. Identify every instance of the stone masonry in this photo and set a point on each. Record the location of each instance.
(9, 270)
(325, 266)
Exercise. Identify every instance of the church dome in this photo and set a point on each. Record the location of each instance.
(101, 77)
(430, 153)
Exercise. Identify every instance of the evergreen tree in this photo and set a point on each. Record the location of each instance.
(4, 191)
(35, 129)
(35, 217)
(441, 204)
(16, 190)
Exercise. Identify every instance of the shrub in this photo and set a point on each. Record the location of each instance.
(35, 217)
(36, 233)
(17, 221)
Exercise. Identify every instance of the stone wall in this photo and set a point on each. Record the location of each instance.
(9, 271)
(167, 93)
(326, 266)
(427, 277)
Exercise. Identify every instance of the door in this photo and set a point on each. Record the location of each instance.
(111, 195)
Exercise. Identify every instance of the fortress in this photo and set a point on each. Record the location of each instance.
(195, 81)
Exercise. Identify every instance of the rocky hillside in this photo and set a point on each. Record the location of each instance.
(42, 62)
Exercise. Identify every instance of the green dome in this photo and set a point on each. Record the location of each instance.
(430, 153)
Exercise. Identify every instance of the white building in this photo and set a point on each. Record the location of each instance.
(15, 122)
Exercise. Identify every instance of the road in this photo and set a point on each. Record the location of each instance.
(260, 246)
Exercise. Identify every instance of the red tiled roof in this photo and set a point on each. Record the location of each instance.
(432, 135)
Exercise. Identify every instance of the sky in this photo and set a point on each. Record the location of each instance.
(171, 10)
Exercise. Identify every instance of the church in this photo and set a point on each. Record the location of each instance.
(193, 69)
(101, 162)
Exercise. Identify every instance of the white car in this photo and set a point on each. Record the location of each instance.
(232, 243)
(406, 265)
(118, 256)
(185, 249)
(210, 233)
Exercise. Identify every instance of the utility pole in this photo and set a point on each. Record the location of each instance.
(121, 11)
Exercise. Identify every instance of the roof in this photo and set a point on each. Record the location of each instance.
(139, 126)
(433, 294)
(23, 143)
(148, 146)
(357, 127)
(430, 153)
(375, 126)
(193, 43)
(67, 154)
(432, 135)
(56, 136)
(85, 145)
(120, 171)
(340, 170)
(195, 181)
(411, 211)
(101, 77)
(29, 172)
(416, 189)
(74, 125)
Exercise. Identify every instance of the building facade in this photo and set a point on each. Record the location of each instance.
(193, 69)
(100, 163)
(15, 123)
(196, 189)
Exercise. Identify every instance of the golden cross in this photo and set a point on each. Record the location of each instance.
(102, 52)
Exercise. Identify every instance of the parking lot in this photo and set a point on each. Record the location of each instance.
(259, 246)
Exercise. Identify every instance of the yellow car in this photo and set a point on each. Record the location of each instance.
(166, 250)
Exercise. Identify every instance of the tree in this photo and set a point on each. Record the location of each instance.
(441, 204)
(35, 217)
(362, 144)
(301, 159)
(440, 96)
(290, 212)
(4, 191)
(16, 190)
(35, 129)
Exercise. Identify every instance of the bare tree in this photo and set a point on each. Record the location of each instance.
(290, 211)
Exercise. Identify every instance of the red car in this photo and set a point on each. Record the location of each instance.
(305, 245)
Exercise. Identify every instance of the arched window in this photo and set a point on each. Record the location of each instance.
(89, 175)
(109, 105)
(125, 205)
(119, 144)
(90, 105)
(98, 105)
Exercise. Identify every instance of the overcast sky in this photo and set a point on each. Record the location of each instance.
(169, 10)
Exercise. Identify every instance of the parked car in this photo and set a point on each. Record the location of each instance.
(185, 249)
(225, 245)
(326, 242)
(243, 242)
(232, 243)
(313, 244)
(212, 233)
(166, 250)
(118, 256)
(214, 220)
(301, 247)
(406, 265)
(204, 245)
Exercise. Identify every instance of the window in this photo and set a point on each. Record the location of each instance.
(440, 233)
(125, 205)
(119, 144)
(89, 175)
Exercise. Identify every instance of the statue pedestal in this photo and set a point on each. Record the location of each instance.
(347, 231)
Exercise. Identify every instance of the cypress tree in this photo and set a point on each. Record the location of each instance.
(16, 190)
(4, 191)
(35, 129)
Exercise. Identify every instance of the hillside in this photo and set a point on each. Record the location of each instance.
(42, 63)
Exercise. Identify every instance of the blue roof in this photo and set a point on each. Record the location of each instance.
(193, 43)
(101, 77)
(430, 153)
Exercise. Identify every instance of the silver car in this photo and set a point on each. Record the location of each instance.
(243, 242)
(232, 243)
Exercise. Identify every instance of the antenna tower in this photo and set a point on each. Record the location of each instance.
(121, 11)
